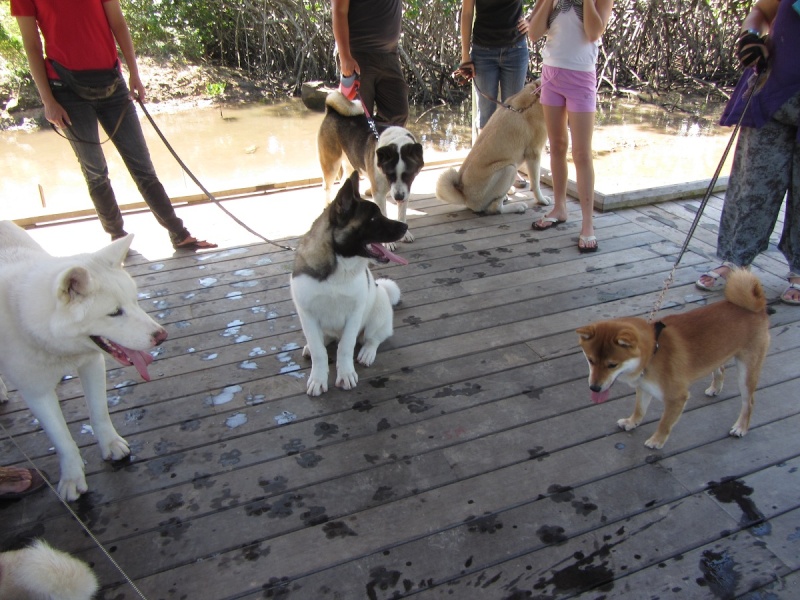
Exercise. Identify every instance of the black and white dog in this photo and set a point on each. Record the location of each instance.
(390, 163)
(334, 291)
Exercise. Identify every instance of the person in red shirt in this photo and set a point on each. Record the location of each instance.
(82, 36)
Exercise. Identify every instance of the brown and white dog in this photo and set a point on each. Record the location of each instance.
(512, 136)
(390, 163)
(661, 360)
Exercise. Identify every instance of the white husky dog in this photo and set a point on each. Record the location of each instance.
(58, 315)
(40, 571)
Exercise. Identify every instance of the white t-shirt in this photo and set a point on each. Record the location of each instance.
(567, 46)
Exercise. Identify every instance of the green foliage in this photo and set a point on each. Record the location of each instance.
(11, 50)
(169, 28)
(216, 88)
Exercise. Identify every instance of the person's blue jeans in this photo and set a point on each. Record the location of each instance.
(84, 137)
(498, 69)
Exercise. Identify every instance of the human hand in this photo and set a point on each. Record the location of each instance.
(464, 73)
(523, 25)
(136, 87)
(752, 51)
(348, 65)
(56, 114)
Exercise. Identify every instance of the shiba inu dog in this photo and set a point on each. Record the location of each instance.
(661, 360)
(59, 315)
(511, 136)
(334, 291)
(41, 572)
(390, 163)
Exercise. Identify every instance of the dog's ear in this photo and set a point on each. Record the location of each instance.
(386, 154)
(73, 284)
(345, 201)
(414, 152)
(354, 179)
(586, 333)
(114, 254)
(627, 338)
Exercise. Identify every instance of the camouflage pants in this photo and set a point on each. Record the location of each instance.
(766, 168)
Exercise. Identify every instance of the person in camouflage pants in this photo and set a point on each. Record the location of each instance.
(766, 164)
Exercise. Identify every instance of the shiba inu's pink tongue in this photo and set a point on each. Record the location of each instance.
(599, 397)
(381, 251)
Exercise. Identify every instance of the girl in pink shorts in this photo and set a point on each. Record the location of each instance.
(569, 84)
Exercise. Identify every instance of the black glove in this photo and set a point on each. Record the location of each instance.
(751, 49)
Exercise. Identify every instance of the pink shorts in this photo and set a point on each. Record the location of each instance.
(575, 89)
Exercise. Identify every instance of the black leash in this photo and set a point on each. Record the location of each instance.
(200, 185)
(706, 197)
(81, 140)
(463, 76)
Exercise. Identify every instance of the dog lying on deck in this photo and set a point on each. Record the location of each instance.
(661, 360)
(334, 291)
(511, 136)
(391, 163)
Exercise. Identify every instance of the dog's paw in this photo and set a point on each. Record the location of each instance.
(116, 449)
(316, 387)
(366, 355)
(626, 424)
(738, 430)
(71, 488)
(655, 443)
(347, 380)
(712, 391)
(516, 207)
(408, 237)
(544, 200)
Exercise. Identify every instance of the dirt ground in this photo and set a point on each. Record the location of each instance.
(171, 86)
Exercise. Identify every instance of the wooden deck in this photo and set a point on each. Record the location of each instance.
(467, 464)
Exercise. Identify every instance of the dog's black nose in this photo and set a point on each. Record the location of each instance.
(595, 388)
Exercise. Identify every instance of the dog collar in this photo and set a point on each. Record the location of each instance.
(659, 327)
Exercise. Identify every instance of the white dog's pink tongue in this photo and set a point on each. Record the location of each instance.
(140, 360)
(381, 250)
(600, 397)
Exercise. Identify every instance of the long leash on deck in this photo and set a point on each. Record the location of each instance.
(671, 278)
(73, 514)
(201, 186)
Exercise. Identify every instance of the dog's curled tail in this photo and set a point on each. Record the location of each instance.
(448, 187)
(40, 571)
(391, 288)
(338, 102)
(744, 289)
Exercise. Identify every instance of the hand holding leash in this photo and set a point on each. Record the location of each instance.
(464, 73)
(348, 85)
(751, 50)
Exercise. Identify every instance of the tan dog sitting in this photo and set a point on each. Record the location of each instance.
(512, 135)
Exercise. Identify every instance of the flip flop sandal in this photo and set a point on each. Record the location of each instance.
(786, 299)
(718, 282)
(190, 243)
(538, 225)
(587, 239)
(37, 483)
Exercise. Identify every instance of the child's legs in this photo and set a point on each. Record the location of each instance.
(555, 118)
(581, 127)
(569, 100)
